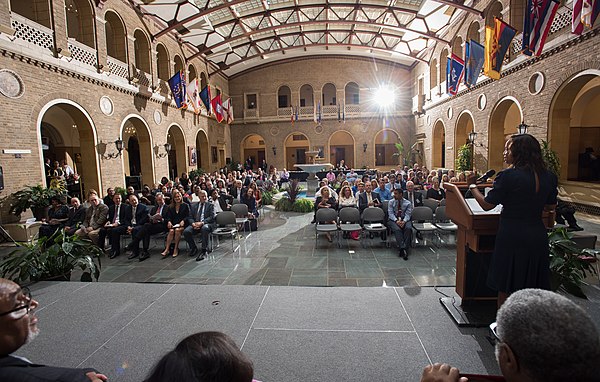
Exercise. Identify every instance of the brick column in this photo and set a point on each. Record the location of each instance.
(59, 21)
(101, 44)
(5, 18)
(130, 55)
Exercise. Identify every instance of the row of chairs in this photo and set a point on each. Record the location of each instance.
(373, 220)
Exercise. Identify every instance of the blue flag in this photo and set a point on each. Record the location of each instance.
(205, 97)
(474, 59)
(177, 85)
(454, 73)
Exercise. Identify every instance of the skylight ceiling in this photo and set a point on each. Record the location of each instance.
(237, 35)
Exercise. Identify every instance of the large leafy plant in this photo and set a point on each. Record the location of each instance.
(464, 158)
(53, 257)
(34, 197)
(550, 158)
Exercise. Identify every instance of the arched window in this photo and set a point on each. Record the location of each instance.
(34, 10)
(178, 63)
(457, 46)
(307, 95)
(116, 45)
(191, 73)
(162, 56)
(351, 94)
(433, 77)
(443, 64)
(494, 10)
(142, 51)
(80, 22)
(284, 97)
(203, 80)
(473, 33)
(329, 94)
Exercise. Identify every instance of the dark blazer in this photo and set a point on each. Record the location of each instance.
(363, 203)
(437, 195)
(141, 214)
(124, 214)
(224, 200)
(251, 203)
(209, 213)
(176, 217)
(418, 196)
(76, 216)
(331, 201)
(16, 370)
(234, 192)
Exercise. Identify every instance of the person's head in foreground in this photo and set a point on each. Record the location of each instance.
(541, 336)
(204, 357)
(18, 323)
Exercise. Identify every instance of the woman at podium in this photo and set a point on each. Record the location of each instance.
(521, 258)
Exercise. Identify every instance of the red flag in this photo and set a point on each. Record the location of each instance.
(217, 108)
(576, 24)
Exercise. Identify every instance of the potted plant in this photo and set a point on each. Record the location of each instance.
(399, 152)
(463, 158)
(52, 258)
(37, 198)
(569, 265)
(550, 158)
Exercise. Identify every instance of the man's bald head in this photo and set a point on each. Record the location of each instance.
(20, 325)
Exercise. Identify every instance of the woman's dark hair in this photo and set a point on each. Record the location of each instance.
(527, 153)
(204, 357)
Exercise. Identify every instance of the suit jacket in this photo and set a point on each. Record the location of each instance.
(96, 217)
(76, 216)
(141, 214)
(209, 213)
(17, 370)
(124, 214)
(234, 192)
(363, 201)
(418, 197)
(164, 213)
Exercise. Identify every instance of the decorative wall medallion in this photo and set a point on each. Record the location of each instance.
(274, 130)
(481, 102)
(450, 113)
(157, 117)
(536, 83)
(319, 129)
(106, 105)
(11, 85)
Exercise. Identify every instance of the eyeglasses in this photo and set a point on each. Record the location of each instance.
(494, 331)
(21, 311)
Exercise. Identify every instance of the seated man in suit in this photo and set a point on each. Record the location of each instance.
(139, 217)
(18, 325)
(414, 197)
(156, 223)
(368, 198)
(95, 218)
(399, 211)
(76, 216)
(202, 220)
(237, 191)
(119, 218)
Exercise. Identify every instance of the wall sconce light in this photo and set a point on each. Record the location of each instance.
(365, 145)
(119, 147)
(274, 150)
(522, 128)
(167, 147)
(472, 137)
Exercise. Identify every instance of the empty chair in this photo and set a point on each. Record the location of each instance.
(431, 203)
(323, 219)
(241, 214)
(442, 222)
(422, 220)
(373, 219)
(349, 218)
(226, 226)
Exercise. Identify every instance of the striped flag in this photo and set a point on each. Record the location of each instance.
(296, 116)
(194, 96)
(292, 115)
(217, 107)
(576, 24)
(454, 74)
(315, 113)
(228, 111)
(585, 13)
(538, 19)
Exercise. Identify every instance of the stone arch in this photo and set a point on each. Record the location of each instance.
(294, 149)
(473, 32)
(203, 80)
(192, 73)
(284, 96)
(142, 51)
(81, 19)
(138, 155)
(457, 46)
(253, 146)
(34, 10)
(177, 157)
(506, 115)
(307, 95)
(329, 94)
(342, 145)
(162, 57)
(116, 36)
(464, 125)
(494, 10)
(351, 93)
(178, 63)
(433, 74)
(443, 64)
(202, 150)
(385, 147)
(72, 116)
(438, 145)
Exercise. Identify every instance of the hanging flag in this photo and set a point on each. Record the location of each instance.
(339, 113)
(344, 112)
(205, 97)
(319, 112)
(576, 24)
(454, 73)
(177, 85)
(474, 58)
(292, 115)
(194, 96)
(536, 26)
(217, 107)
(590, 11)
(497, 42)
(315, 112)
(228, 111)
(297, 113)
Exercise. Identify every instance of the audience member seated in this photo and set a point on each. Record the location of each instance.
(325, 200)
(18, 326)
(435, 192)
(205, 356)
(147, 198)
(284, 177)
(218, 203)
(139, 217)
(566, 211)
(58, 214)
(177, 220)
(249, 200)
(399, 212)
(76, 216)
(157, 223)
(200, 221)
(414, 197)
(342, 166)
(237, 191)
(257, 194)
(368, 198)
(108, 199)
(119, 218)
(346, 198)
(383, 192)
(540, 336)
(95, 218)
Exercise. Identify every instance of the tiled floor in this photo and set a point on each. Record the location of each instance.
(283, 252)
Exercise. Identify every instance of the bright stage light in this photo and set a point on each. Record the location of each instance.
(384, 96)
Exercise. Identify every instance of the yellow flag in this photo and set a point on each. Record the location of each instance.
(491, 53)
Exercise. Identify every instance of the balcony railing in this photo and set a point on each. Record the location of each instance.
(250, 113)
(117, 67)
(82, 53)
(31, 32)
(142, 78)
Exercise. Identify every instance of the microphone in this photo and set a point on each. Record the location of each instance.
(485, 176)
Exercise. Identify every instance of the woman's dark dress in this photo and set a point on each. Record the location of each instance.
(175, 218)
(521, 257)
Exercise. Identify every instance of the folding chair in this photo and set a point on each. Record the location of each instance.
(349, 218)
(323, 219)
(431, 203)
(373, 219)
(226, 226)
(241, 214)
(422, 220)
(442, 222)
